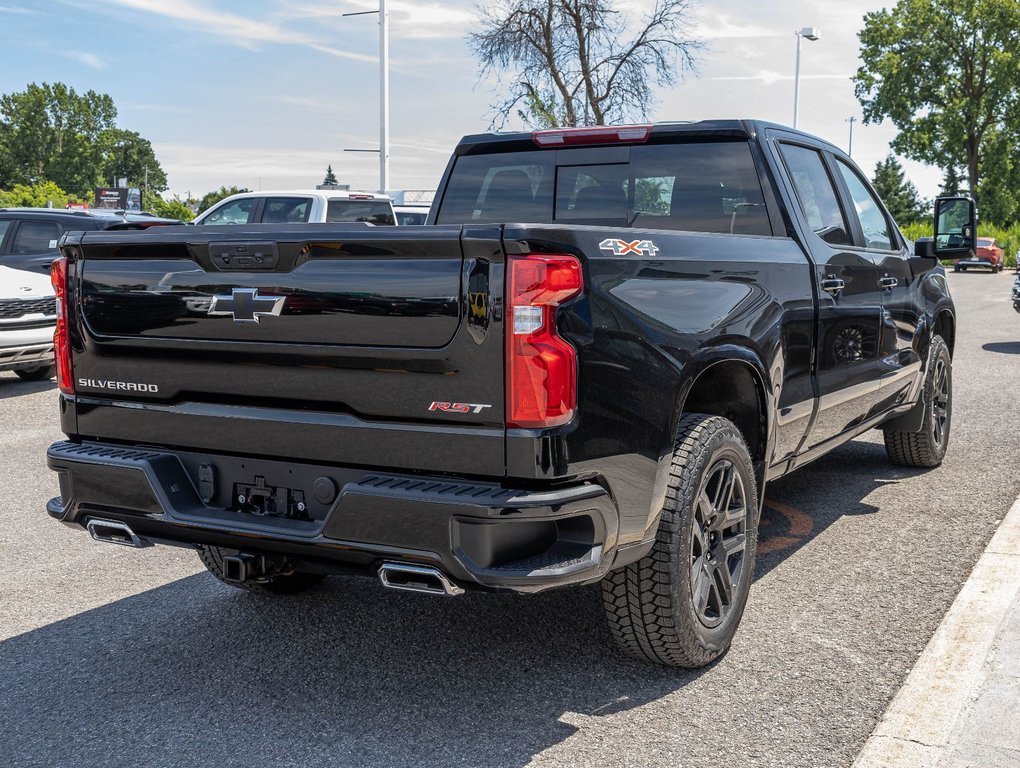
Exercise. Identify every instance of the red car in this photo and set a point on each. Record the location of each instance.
(988, 255)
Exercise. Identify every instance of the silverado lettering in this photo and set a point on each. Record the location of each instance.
(650, 363)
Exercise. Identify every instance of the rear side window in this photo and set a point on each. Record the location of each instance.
(5, 224)
(816, 194)
(698, 187)
(236, 212)
(377, 212)
(35, 237)
(286, 210)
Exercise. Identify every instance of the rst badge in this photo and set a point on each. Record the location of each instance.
(459, 407)
(623, 247)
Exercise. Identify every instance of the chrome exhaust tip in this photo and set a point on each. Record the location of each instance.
(115, 532)
(417, 578)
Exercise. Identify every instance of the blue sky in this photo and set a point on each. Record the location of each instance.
(266, 93)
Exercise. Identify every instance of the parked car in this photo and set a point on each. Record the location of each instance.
(987, 256)
(28, 236)
(632, 372)
(1016, 293)
(28, 312)
(411, 215)
(300, 206)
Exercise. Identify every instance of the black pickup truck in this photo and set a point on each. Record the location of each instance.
(597, 394)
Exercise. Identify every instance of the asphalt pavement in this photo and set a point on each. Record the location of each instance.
(117, 657)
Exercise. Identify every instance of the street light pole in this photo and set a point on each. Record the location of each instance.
(811, 33)
(850, 147)
(384, 95)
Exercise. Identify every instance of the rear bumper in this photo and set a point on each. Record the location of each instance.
(478, 534)
(26, 355)
(979, 261)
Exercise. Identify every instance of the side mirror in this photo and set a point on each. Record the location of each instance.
(955, 227)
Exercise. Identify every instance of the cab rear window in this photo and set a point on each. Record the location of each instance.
(697, 187)
(377, 212)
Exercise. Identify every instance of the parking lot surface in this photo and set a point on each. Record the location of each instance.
(111, 656)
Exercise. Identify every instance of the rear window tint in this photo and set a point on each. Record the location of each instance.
(377, 212)
(698, 187)
(35, 237)
(286, 210)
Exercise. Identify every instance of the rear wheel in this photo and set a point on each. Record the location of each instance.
(285, 583)
(41, 373)
(680, 605)
(927, 447)
(957, 268)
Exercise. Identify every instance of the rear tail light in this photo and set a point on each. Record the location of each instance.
(541, 367)
(619, 134)
(61, 341)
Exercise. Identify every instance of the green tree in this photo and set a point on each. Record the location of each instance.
(53, 133)
(945, 73)
(128, 155)
(581, 62)
(211, 198)
(36, 196)
(897, 192)
(174, 208)
(331, 178)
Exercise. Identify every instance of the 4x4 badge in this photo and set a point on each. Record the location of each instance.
(246, 306)
(622, 247)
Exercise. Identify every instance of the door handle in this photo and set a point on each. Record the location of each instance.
(888, 283)
(832, 285)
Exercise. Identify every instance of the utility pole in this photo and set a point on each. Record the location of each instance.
(810, 33)
(384, 95)
(850, 147)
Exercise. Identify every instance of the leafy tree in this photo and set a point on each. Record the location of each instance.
(581, 62)
(168, 209)
(331, 178)
(128, 155)
(53, 133)
(897, 192)
(210, 199)
(36, 196)
(945, 73)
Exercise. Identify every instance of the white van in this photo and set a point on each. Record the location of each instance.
(300, 206)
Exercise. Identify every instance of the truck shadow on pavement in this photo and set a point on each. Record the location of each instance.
(196, 673)
(1002, 347)
(14, 387)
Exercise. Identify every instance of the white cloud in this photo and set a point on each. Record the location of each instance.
(19, 11)
(769, 77)
(86, 58)
(408, 20)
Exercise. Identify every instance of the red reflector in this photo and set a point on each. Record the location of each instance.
(541, 367)
(61, 341)
(617, 134)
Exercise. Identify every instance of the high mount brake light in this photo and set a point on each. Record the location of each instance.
(619, 134)
(541, 367)
(61, 341)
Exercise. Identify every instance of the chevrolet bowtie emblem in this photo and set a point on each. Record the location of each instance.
(246, 306)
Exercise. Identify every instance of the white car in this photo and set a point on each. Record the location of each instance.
(28, 312)
(300, 206)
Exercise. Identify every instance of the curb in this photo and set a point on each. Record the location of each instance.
(917, 728)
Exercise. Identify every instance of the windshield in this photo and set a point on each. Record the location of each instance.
(984, 242)
(372, 211)
(699, 187)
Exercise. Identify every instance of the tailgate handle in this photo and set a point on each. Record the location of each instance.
(244, 257)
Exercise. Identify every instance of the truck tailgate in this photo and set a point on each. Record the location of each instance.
(324, 343)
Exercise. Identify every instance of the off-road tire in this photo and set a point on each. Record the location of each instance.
(927, 447)
(41, 373)
(649, 604)
(277, 584)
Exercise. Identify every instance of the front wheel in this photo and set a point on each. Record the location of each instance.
(927, 447)
(680, 604)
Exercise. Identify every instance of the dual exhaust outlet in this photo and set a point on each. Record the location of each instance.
(405, 577)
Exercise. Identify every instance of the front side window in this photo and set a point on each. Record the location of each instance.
(869, 211)
(35, 237)
(286, 210)
(236, 212)
(817, 196)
